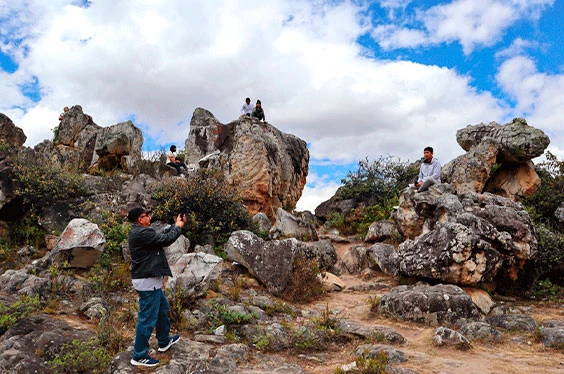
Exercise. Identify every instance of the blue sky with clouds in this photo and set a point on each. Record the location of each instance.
(354, 79)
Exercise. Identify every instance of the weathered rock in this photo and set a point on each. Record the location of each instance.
(31, 343)
(445, 336)
(271, 363)
(262, 221)
(95, 308)
(481, 298)
(353, 260)
(273, 336)
(552, 333)
(22, 283)
(75, 138)
(8, 186)
(269, 167)
(385, 257)
(227, 357)
(559, 213)
(137, 190)
(10, 134)
(293, 227)
(334, 206)
(514, 181)
(463, 239)
(515, 322)
(194, 273)
(117, 146)
(322, 251)
(80, 245)
(395, 356)
(431, 305)
(270, 262)
(354, 329)
(381, 230)
(511, 146)
(481, 331)
(331, 282)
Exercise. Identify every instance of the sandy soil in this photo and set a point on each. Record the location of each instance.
(517, 353)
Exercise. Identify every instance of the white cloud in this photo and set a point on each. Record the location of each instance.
(315, 192)
(472, 23)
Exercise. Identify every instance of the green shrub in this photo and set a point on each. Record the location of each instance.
(222, 315)
(211, 204)
(372, 365)
(12, 314)
(81, 357)
(546, 289)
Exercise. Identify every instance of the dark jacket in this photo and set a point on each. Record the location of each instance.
(146, 248)
(258, 113)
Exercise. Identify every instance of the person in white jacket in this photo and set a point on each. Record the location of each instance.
(430, 171)
(247, 108)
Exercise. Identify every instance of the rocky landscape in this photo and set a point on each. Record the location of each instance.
(436, 288)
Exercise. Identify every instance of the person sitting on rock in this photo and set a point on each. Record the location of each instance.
(430, 171)
(174, 161)
(62, 115)
(258, 112)
(247, 108)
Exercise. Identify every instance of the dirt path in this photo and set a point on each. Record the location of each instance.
(517, 353)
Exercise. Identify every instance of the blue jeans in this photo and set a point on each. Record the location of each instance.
(153, 312)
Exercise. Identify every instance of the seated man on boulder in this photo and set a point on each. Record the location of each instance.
(430, 171)
(174, 161)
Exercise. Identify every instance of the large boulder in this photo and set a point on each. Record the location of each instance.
(195, 273)
(8, 186)
(80, 245)
(268, 166)
(431, 305)
(271, 262)
(10, 134)
(464, 239)
(510, 147)
(75, 138)
(333, 205)
(290, 226)
(117, 146)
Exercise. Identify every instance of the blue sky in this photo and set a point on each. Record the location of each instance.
(354, 79)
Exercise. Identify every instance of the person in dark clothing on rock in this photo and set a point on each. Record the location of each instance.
(258, 112)
(149, 272)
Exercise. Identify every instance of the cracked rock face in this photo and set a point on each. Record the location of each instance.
(509, 147)
(268, 166)
(463, 239)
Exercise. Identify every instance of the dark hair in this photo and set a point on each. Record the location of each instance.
(258, 102)
(430, 149)
(248, 99)
(134, 214)
(172, 148)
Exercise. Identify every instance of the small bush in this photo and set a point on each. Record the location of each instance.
(212, 205)
(81, 357)
(372, 365)
(12, 314)
(304, 284)
(222, 315)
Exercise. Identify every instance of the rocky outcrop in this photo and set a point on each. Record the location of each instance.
(380, 231)
(195, 273)
(268, 166)
(75, 138)
(431, 305)
(10, 134)
(334, 206)
(289, 226)
(510, 147)
(463, 239)
(8, 186)
(117, 146)
(80, 245)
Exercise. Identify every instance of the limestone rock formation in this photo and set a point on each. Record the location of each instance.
(117, 146)
(268, 166)
(80, 245)
(431, 305)
(75, 138)
(510, 147)
(8, 186)
(288, 226)
(463, 239)
(10, 134)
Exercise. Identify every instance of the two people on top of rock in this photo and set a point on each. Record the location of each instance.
(62, 115)
(258, 112)
(174, 161)
(247, 108)
(430, 171)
